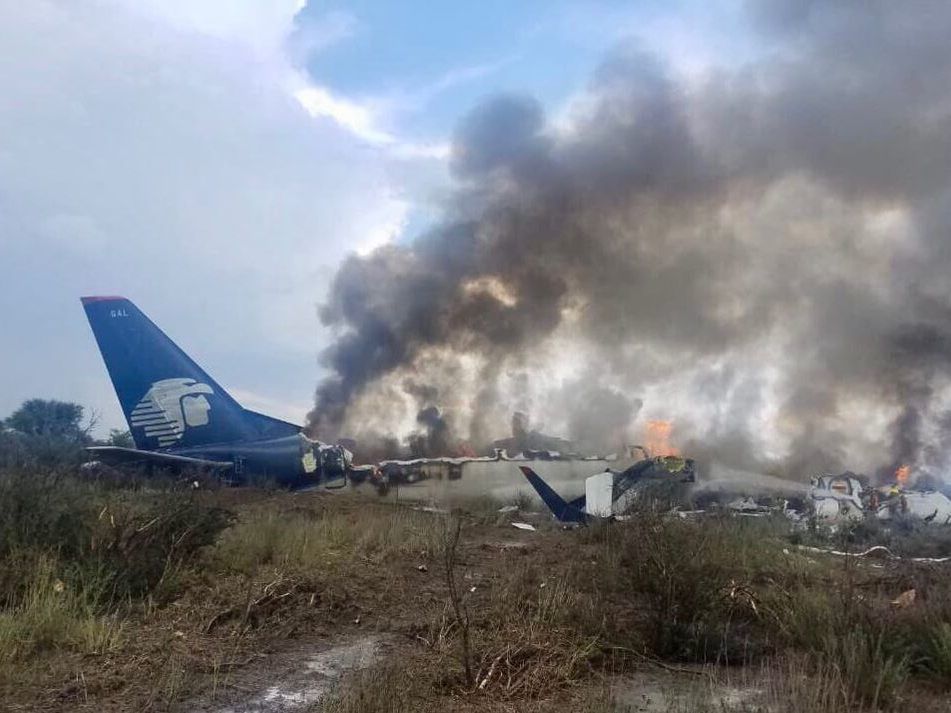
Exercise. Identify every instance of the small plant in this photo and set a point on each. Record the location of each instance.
(384, 689)
(936, 653)
(459, 609)
(53, 614)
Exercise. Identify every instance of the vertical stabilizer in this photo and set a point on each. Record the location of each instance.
(168, 400)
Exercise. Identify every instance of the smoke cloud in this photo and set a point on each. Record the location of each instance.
(759, 255)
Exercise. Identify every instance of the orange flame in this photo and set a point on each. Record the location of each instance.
(658, 439)
(902, 473)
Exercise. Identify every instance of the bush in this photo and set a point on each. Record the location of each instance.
(115, 543)
(695, 584)
(135, 546)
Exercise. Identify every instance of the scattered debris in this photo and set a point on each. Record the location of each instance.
(748, 506)
(511, 546)
(837, 497)
(877, 552)
(609, 493)
(932, 507)
(431, 509)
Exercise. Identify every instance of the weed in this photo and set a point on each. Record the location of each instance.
(385, 689)
(936, 652)
(54, 615)
(306, 541)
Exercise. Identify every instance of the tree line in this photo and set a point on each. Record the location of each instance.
(49, 431)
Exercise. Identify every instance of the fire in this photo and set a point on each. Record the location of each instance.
(902, 473)
(658, 439)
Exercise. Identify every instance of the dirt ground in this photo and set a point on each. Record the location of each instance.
(281, 638)
(226, 639)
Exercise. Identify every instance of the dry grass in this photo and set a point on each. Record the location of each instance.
(389, 688)
(304, 540)
(548, 620)
(720, 591)
(51, 615)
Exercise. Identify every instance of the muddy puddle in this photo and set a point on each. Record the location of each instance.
(292, 680)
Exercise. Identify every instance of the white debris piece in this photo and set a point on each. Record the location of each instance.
(746, 505)
(599, 494)
(523, 526)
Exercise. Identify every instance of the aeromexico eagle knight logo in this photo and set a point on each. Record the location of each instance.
(170, 407)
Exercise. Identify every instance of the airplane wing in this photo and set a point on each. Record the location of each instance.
(563, 511)
(116, 455)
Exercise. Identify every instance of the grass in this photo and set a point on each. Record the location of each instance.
(937, 653)
(385, 689)
(80, 559)
(819, 634)
(93, 569)
(122, 544)
(302, 541)
(51, 615)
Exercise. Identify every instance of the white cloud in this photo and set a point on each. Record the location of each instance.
(356, 118)
(363, 121)
(153, 149)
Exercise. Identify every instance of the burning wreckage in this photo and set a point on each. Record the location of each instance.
(410, 471)
(610, 493)
(560, 457)
(833, 500)
(830, 499)
(842, 498)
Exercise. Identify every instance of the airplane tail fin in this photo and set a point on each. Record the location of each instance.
(561, 509)
(168, 400)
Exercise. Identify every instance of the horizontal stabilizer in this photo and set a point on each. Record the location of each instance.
(562, 510)
(114, 455)
(270, 427)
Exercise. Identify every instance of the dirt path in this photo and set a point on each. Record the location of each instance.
(294, 679)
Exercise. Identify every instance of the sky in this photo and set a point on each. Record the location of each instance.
(216, 160)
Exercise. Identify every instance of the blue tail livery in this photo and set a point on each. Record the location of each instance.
(179, 416)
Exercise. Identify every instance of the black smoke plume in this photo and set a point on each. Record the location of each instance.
(760, 254)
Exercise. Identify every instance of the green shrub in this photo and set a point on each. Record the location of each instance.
(121, 544)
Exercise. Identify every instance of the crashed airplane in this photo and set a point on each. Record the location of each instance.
(609, 493)
(843, 498)
(180, 418)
